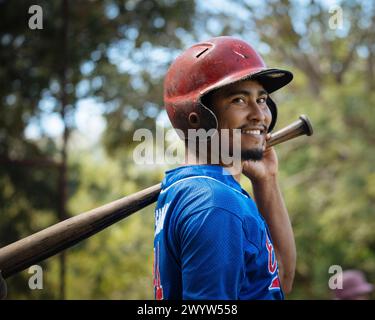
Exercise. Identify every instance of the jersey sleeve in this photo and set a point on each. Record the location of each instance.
(212, 255)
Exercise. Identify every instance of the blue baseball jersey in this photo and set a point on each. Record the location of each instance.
(210, 241)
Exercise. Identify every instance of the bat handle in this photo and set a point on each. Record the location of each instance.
(298, 128)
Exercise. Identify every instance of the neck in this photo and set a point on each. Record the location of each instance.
(192, 158)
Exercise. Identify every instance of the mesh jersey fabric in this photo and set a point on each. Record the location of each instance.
(210, 240)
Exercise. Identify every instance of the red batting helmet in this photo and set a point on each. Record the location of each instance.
(210, 65)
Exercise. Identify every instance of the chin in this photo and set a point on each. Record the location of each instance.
(254, 154)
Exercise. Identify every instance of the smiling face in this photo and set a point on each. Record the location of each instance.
(242, 105)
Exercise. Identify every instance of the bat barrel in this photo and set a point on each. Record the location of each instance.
(23, 253)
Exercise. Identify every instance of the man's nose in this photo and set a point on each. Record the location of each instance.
(256, 113)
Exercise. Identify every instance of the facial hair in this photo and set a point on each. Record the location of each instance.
(252, 154)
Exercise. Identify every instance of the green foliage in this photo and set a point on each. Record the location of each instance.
(33, 64)
(117, 263)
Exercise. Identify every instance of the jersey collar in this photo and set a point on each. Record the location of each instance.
(214, 171)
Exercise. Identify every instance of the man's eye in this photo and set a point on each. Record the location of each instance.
(262, 100)
(239, 100)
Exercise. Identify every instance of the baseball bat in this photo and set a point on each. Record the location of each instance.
(28, 251)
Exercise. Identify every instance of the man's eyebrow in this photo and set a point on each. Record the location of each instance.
(246, 92)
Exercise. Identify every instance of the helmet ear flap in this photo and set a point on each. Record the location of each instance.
(273, 108)
(207, 118)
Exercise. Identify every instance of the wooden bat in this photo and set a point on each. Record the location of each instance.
(28, 251)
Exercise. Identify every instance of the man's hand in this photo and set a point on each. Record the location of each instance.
(261, 170)
(270, 203)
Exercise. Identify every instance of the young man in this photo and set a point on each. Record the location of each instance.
(212, 240)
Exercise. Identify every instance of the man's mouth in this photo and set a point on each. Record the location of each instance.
(254, 131)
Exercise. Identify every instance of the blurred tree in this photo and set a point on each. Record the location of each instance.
(44, 73)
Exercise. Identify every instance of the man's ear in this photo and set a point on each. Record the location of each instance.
(194, 120)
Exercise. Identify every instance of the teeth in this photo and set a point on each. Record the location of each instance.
(251, 131)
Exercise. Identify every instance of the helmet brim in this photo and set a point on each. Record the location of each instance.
(270, 79)
(273, 79)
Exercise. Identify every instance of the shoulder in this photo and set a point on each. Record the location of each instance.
(203, 192)
(200, 200)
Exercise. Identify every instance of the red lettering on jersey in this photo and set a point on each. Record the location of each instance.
(275, 283)
(272, 263)
(156, 274)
